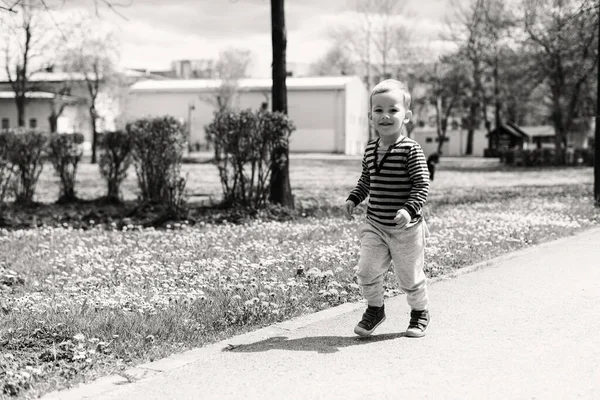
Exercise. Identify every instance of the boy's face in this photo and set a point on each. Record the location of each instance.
(388, 113)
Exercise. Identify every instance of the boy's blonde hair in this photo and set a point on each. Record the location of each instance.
(387, 86)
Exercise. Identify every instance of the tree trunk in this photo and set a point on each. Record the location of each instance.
(559, 131)
(53, 122)
(498, 103)
(597, 133)
(442, 125)
(473, 108)
(473, 111)
(281, 190)
(20, 101)
(470, 136)
(93, 117)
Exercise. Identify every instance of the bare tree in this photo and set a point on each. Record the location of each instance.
(27, 41)
(59, 102)
(13, 5)
(377, 39)
(336, 61)
(468, 31)
(450, 86)
(92, 59)
(231, 66)
(31, 34)
(563, 37)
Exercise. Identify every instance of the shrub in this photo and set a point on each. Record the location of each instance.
(26, 153)
(64, 152)
(243, 143)
(158, 145)
(7, 168)
(115, 159)
(547, 157)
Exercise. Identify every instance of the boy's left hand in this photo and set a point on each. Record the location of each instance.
(402, 218)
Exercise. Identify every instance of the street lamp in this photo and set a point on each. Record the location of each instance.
(191, 107)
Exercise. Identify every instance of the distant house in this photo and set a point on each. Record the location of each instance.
(507, 136)
(75, 117)
(330, 113)
(38, 111)
(579, 137)
(510, 136)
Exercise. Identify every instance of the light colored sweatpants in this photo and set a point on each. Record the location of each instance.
(380, 245)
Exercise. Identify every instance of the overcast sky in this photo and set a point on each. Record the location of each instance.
(159, 31)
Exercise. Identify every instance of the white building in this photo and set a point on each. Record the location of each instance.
(455, 143)
(39, 108)
(75, 116)
(330, 113)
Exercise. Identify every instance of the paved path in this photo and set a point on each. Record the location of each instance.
(526, 326)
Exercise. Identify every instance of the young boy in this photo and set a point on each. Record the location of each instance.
(396, 179)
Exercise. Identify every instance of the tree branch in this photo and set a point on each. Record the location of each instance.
(11, 8)
(112, 6)
(53, 20)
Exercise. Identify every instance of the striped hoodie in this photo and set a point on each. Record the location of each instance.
(393, 179)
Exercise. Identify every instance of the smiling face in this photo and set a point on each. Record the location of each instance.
(388, 114)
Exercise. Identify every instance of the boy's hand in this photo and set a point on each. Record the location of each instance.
(402, 218)
(348, 209)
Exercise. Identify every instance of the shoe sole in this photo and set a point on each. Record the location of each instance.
(362, 332)
(414, 334)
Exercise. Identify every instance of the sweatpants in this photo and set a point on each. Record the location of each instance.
(405, 247)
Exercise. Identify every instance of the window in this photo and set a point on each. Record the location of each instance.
(32, 123)
(428, 140)
(454, 125)
(5, 123)
(432, 121)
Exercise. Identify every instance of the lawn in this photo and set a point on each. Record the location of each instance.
(77, 304)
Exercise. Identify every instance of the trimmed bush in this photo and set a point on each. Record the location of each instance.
(243, 144)
(65, 152)
(546, 157)
(158, 145)
(115, 158)
(7, 168)
(26, 152)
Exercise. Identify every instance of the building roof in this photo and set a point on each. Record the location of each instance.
(9, 94)
(321, 82)
(136, 73)
(540, 130)
(511, 129)
(42, 76)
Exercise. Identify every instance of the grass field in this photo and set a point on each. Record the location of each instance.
(77, 304)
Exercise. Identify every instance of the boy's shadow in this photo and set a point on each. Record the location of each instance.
(320, 344)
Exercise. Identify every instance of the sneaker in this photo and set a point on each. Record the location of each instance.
(371, 319)
(419, 320)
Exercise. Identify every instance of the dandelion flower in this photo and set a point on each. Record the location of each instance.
(79, 337)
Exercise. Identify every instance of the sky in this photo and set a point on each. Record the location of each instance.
(155, 32)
